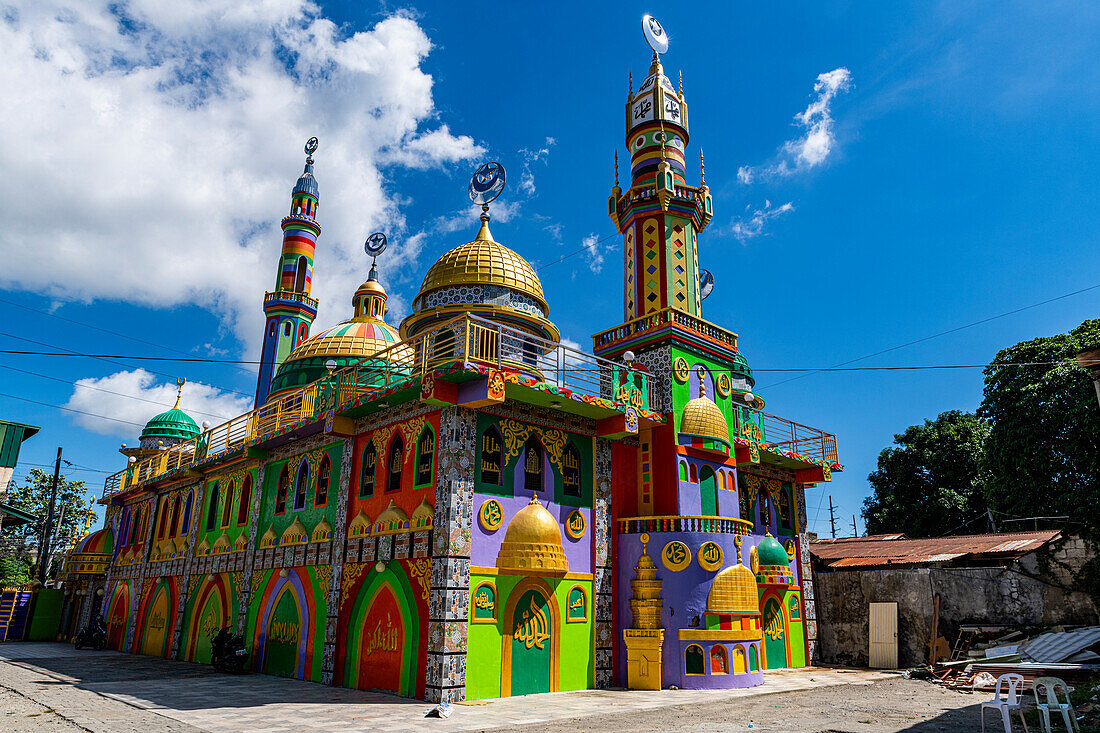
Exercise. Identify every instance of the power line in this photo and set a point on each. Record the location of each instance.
(106, 391)
(944, 333)
(70, 467)
(93, 327)
(69, 409)
(585, 248)
(109, 359)
(571, 370)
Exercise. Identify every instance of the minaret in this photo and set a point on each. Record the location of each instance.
(659, 214)
(288, 309)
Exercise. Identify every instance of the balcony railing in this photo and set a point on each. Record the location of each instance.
(291, 295)
(662, 318)
(785, 436)
(675, 523)
(467, 340)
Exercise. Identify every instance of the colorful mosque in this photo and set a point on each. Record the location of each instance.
(463, 507)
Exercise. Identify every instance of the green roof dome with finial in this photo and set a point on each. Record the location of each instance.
(770, 552)
(174, 425)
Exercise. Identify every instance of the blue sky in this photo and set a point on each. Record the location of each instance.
(951, 179)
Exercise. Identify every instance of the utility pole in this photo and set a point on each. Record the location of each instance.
(47, 528)
(855, 532)
(832, 516)
(992, 521)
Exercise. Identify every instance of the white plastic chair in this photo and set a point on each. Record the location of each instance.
(1049, 701)
(1010, 702)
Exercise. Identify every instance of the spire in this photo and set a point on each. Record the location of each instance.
(616, 168)
(702, 384)
(629, 84)
(702, 170)
(483, 234)
(681, 85)
(179, 392)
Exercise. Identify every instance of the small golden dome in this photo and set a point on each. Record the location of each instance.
(484, 262)
(295, 534)
(392, 513)
(704, 419)
(734, 591)
(322, 532)
(532, 541)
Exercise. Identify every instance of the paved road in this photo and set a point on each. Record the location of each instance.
(52, 687)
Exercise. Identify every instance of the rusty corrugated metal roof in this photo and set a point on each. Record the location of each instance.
(882, 550)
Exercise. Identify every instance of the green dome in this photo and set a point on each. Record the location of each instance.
(175, 425)
(741, 366)
(770, 552)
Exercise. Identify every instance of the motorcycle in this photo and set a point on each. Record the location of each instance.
(227, 652)
(93, 636)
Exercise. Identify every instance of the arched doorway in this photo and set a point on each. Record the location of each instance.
(708, 491)
(284, 638)
(117, 618)
(210, 614)
(775, 635)
(531, 641)
(154, 632)
(381, 644)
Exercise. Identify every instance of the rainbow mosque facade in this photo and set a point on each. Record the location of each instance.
(460, 507)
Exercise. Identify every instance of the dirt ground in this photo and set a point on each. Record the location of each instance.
(21, 714)
(883, 707)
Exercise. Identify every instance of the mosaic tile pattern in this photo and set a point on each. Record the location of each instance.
(449, 599)
(339, 533)
(245, 591)
(659, 363)
(601, 519)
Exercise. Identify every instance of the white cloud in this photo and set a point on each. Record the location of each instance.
(149, 148)
(813, 147)
(752, 225)
(530, 157)
(594, 252)
(135, 396)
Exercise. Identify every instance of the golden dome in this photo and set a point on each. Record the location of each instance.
(734, 591)
(532, 541)
(704, 419)
(484, 262)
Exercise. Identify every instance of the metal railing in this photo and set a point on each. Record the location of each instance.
(291, 295)
(674, 523)
(466, 340)
(786, 436)
(662, 318)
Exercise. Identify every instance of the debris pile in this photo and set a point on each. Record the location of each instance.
(983, 653)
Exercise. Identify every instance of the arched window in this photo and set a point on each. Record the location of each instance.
(175, 526)
(212, 508)
(286, 328)
(425, 457)
(739, 664)
(694, 474)
(300, 277)
(743, 498)
(395, 463)
(794, 609)
(765, 509)
(683, 471)
(301, 485)
(187, 512)
(245, 502)
(719, 661)
(708, 492)
(324, 473)
(302, 332)
(272, 328)
(367, 470)
(694, 660)
(162, 517)
(571, 471)
(282, 490)
(135, 526)
(532, 464)
(492, 457)
(754, 666)
(784, 508)
(227, 505)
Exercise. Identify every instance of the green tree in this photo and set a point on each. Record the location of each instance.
(72, 513)
(1043, 453)
(931, 481)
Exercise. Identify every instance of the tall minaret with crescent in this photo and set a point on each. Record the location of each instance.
(659, 213)
(288, 309)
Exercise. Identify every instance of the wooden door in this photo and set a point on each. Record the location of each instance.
(883, 625)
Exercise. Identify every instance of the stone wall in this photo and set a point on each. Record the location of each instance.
(1012, 595)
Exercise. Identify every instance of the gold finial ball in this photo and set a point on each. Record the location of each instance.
(645, 538)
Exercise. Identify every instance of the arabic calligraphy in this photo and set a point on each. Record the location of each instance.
(284, 632)
(484, 600)
(532, 629)
(575, 524)
(675, 555)
(710, 556)
(386, 639)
